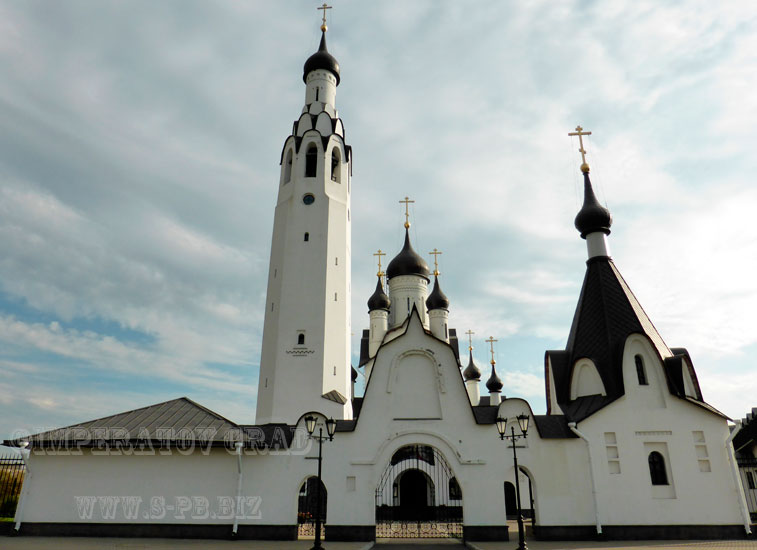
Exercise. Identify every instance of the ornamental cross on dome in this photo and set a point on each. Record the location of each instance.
(324, 7)
(491, 341)
(379, 254)
(435, 254)
(580, 133)
(470, 334)
(407, 202)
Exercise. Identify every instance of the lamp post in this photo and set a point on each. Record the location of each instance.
(502, 429)
(310, 422)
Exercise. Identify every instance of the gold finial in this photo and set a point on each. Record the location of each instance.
(407, 203)
(491, 341)
(470, 334)
(580, 133)
(436, 253)
(324, 7)
(379, 254)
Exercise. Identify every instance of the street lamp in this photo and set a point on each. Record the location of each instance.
(310, 422)
(502, 429)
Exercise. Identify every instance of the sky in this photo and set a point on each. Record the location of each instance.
(139, 163)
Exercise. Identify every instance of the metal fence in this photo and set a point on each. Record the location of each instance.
(12, 472)
(748, 473)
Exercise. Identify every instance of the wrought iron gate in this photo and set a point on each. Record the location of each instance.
(12, 472)
(418, 496)
(306, 508)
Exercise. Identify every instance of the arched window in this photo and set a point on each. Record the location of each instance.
(335, 165)
(288, 167)
(454, 489)
(307, 237)
(301, 339)
(641, 373)
(657, 469)
(311, 161)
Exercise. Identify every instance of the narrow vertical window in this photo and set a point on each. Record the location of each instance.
(408, 306)
(271, 306)
(446, 331)
(335, 165)
(301, 339)
(750, 480)
(335, 369)
(317, 90)
(288, 167)
(311, 161)
(275, 272)
(640, 372)
(657, 469)
(307, 237)
(335, 296)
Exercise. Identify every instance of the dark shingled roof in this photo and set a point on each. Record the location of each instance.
(606, 315)
(554, 426)
(748, 434)
(180, 422)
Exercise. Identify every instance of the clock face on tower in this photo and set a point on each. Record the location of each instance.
(308, 199)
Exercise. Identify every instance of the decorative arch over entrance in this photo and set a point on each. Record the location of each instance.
(418, 496)
(306, 508)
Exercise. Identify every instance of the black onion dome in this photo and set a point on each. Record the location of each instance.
(407, 262)
(437, 298)
(379, 299)
(592, 217)
(472, 372)
(494, 383)
(321, 59)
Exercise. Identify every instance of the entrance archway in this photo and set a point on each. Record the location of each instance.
(306, 508)
(418, 496)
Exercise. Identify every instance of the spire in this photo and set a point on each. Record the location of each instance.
(407, 262)
(437, 299)
(379, 299)
(322, 59)
(494, 383)
(471, 372)
(593, 217)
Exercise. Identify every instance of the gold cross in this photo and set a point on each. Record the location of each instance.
(580, 133)
(407, 203)
(436, 253)
(470, 334)
(379, 254)
(325, 7)
(491, 341)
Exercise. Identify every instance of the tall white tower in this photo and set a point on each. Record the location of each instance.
(305, 363)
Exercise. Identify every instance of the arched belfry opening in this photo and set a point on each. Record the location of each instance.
(307, 505)
(418, 496)
(311, 161)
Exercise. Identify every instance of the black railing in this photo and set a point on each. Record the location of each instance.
(12, 472)
(748, 474)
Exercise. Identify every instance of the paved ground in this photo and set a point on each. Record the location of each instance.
(82, 543)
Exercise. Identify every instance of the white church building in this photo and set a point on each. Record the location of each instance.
(627, 448)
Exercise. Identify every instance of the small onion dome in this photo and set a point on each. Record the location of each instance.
(592, 217)
(437, 299)
(379, 300)
(407, 262)
(472, 372)
(321, 59)
(494, 383)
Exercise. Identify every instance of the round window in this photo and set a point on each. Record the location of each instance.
(308, 199)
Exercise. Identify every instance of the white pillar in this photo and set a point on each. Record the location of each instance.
(474, 393)
(596, 244)
(439, 322)
(377, 330)
(407, 291)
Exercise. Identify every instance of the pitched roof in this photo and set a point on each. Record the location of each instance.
(606, 315)
(178, 422)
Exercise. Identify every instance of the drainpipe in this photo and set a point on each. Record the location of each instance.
(736, 478)
(572, 426)
(24, 487)
(238, 445)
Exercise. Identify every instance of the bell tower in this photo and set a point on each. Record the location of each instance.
(305, 361)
